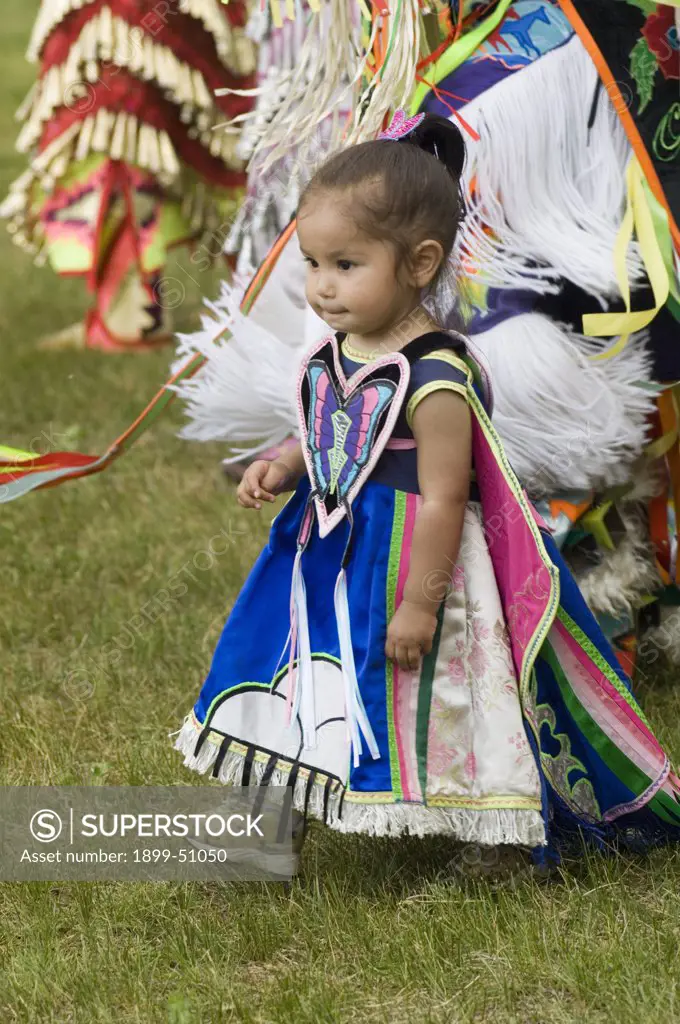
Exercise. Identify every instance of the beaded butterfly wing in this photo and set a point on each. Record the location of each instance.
(346, 424)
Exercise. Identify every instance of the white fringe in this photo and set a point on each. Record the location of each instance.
(487, 827)
(567, 421)
(549, 189)
(121, 136)
(50, 14)
(233, 46)
(112, 40)
(310, 102)
(246, 390)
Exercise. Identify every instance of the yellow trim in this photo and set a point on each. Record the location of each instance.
(496, 446)
(447, 356)
(355, 355)
(428, 389)
(513, 803)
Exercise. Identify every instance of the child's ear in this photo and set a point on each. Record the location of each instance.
(425, 261)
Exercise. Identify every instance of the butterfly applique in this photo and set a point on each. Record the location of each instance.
(345, 424)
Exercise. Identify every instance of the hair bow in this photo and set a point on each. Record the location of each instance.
(401, 126)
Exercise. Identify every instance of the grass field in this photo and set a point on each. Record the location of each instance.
(371, 936)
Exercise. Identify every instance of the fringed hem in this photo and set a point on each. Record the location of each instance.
(491, 827)
(234, 48)
(323, 797)
(108, 39)
(120, 136)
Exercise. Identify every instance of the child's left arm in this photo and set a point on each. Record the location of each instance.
(443, 431)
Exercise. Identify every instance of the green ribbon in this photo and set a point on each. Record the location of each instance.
(458, 53)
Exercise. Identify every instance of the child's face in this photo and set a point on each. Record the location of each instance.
(352, 280)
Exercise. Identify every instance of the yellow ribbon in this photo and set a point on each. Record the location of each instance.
(594, 523)
(14, 455)
(637, 216)
(656, 449)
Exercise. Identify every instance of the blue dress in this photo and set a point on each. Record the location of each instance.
(470, 745)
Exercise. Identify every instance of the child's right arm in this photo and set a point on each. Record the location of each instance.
(263, 481)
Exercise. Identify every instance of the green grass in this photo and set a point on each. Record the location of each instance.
(372, 936)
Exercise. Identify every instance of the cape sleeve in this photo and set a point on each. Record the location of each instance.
(441, 370)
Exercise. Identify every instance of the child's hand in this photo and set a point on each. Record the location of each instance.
(410, 635)
(262, 481)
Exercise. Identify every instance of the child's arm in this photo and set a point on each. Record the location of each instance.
(293, 462)
(263, 480)
(443, 431)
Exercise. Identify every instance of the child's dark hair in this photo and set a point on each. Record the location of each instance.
(417, 192)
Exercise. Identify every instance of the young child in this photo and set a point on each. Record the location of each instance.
(409, 653)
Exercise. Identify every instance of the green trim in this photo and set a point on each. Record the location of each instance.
(527, 700)
(665, 807)
(458, 53)
(615, 759)
(565, 754)
(591, 650)
(674, 307)
(396, 542)
(425, 701)
(663, 233)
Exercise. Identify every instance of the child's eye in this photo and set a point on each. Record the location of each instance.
(312, 263)
(345, 265)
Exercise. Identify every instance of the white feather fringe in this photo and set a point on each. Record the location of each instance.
(663, 640)
(245, 392)
(487, 827)
(567, 422)
(621, 579)
(550, 190)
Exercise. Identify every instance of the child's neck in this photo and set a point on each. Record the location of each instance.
(395, 336)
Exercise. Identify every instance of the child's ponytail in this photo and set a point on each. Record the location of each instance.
(443, 140)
